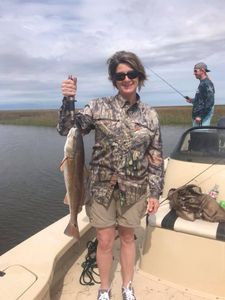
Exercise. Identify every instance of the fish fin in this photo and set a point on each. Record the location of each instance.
(72, 230)
(66, 201)
(61, 166)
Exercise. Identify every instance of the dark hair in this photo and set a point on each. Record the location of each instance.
(128, 58)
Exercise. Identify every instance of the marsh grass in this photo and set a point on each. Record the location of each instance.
(168, 115)
(179, 115)
(29, 117)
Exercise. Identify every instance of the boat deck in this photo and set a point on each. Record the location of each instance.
(146, 286)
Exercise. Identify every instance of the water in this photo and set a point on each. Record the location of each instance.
(31, 185)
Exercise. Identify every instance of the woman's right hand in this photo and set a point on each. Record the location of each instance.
(69, 86)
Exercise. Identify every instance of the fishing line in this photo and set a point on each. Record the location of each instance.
(170, 85)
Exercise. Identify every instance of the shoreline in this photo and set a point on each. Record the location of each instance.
(168, 115)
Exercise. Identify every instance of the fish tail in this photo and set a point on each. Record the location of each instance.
(72, 230)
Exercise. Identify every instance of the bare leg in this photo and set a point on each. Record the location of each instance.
(127, 254)
(106, 237)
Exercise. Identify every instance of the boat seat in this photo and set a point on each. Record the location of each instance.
(167, 218)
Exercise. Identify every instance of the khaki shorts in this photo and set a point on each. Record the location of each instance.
(101, 217)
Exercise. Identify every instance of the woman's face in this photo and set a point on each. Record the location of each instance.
(126, 86)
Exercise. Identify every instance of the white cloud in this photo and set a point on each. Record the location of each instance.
(43, 41)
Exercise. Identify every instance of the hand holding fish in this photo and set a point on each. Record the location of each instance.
(69, 86)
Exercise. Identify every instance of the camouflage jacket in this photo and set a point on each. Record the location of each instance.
(127, 150)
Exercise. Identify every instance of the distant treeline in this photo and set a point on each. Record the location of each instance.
(168, 115)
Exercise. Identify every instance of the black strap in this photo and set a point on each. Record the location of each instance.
(220, 233)
(169, 220)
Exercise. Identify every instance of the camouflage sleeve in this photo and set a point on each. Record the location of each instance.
(156, 163)
(82, 119)
(85, 119)
(65, 122)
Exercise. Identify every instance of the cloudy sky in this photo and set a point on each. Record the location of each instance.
(41, 42)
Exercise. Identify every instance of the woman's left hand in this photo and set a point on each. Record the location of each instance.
(152, 206)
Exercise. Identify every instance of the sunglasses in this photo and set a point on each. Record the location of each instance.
(121, 76)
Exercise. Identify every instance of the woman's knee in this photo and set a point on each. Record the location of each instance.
(126, 235)
(106, 238)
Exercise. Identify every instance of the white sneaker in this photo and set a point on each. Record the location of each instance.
(104, 294)
(128, 292)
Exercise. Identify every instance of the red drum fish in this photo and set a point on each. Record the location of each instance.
(73, 168)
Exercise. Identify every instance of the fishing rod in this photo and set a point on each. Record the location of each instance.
(170, 85)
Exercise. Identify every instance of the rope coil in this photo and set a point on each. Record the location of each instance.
(87, 275)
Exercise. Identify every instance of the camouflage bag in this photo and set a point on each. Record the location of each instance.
(190, 203)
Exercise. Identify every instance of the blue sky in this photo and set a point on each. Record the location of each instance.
(41, 42)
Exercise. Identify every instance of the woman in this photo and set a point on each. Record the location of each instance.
(126, 168)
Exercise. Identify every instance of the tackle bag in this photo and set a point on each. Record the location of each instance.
(190, 204)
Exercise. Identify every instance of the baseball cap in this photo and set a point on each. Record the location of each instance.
(201, 65)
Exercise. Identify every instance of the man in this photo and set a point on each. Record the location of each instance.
(203, 102)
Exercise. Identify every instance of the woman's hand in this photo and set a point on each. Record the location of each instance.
(69, 86)
(152, 206)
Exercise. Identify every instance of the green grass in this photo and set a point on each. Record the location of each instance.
(168, 115)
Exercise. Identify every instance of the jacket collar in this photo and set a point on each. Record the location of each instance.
(123, 102)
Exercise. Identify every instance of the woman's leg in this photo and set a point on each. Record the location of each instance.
(127, 254)
(106, 237)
